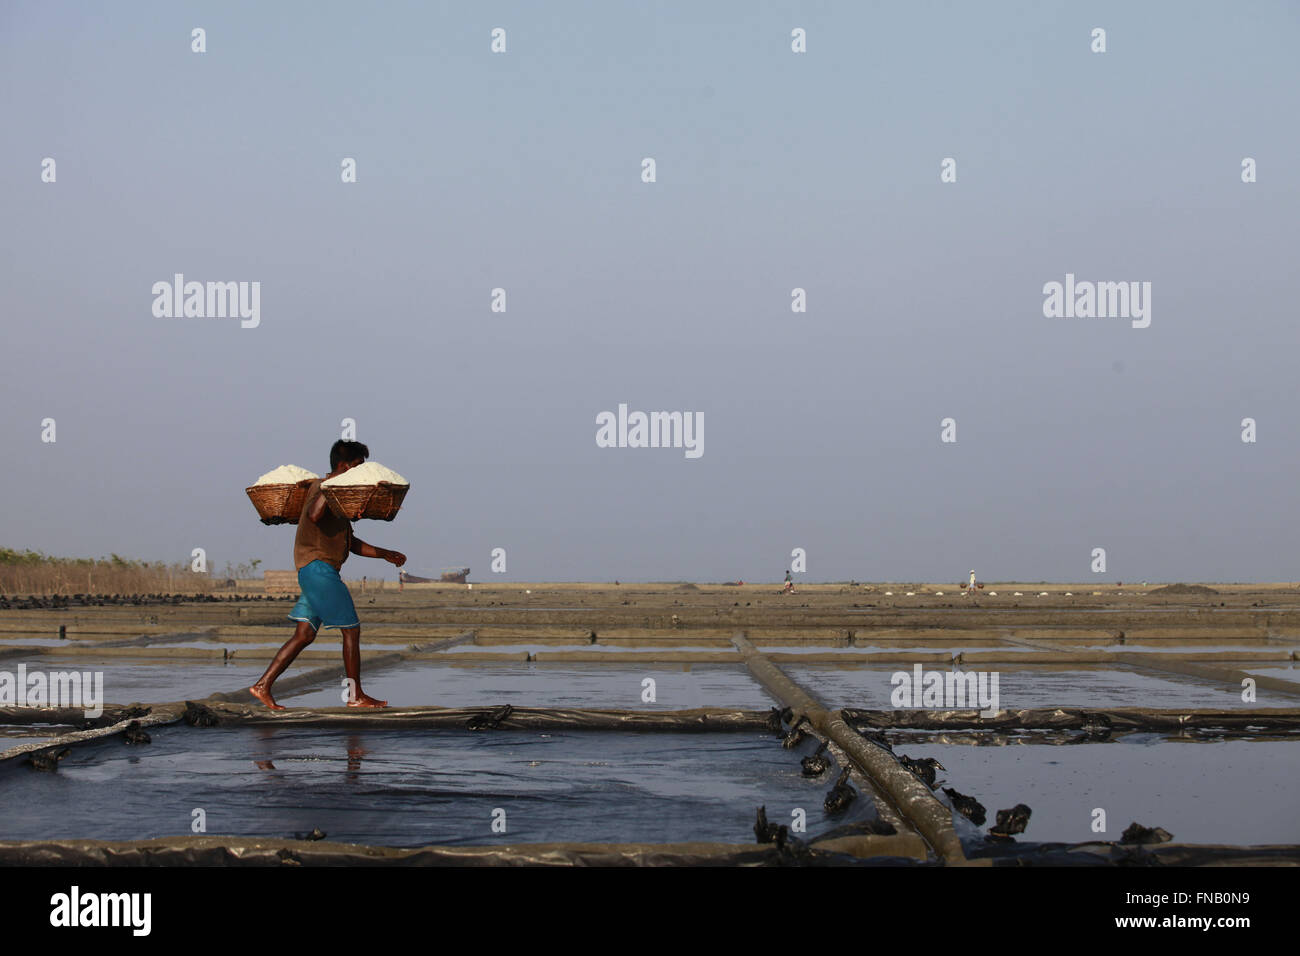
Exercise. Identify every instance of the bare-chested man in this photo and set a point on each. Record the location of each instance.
(323, 543)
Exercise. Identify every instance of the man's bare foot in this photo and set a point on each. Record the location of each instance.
(365, 700)
(264, 695)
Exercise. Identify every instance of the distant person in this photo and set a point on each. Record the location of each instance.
(789, 584)
(323, 543)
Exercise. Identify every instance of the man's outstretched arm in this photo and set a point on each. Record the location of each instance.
(370, 551)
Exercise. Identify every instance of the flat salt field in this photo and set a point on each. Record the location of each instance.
(1248, 799)
(515, 607)
(151, 680)
(868, 687)
(409, 789)
(270, 649)
(379, 785)
(1281, 650)
(597, 648)
(539, 684)
(997, 603)
(8, 642)
(950, 649)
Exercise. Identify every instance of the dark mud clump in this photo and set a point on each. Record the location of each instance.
(490, 720)
(767, 832)
(1011, 821)
(47, 760)
(840, 795)
(968, 807)
(1184, 589)
(196, 715)
(1136, 833)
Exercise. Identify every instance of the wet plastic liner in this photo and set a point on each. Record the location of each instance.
(111, 724)
(701, 720)
(1061, 718)
(397, 788)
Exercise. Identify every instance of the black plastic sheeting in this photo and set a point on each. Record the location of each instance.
(703, 720)
(1074, 718)
(70, 718)
(402, 788)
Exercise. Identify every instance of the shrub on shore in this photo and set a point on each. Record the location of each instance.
(33, 572)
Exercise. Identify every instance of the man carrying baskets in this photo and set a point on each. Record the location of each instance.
(323, 543)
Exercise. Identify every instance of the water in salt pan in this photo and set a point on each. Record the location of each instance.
(448, 684)
(1226, 791)
(152, 680)
(868, 687)
(402, 788)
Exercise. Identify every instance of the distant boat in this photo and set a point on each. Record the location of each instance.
(453, 576)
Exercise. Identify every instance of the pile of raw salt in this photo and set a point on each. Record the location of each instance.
(367, 473)
(285, 475)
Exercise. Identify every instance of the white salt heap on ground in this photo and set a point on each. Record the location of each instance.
(285, 475)
(368, 473)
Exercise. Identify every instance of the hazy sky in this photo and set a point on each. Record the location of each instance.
(775, 171)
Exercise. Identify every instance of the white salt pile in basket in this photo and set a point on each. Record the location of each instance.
(368, 473)
(285, 475)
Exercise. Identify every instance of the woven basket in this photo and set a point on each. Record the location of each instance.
(380, 501)
(279, 504)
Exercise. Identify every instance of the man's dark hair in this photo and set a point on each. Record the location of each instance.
(347, 451)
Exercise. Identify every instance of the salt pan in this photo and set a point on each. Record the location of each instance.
(285, 475)
(368, 473)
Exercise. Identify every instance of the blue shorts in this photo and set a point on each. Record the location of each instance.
(324, 598)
